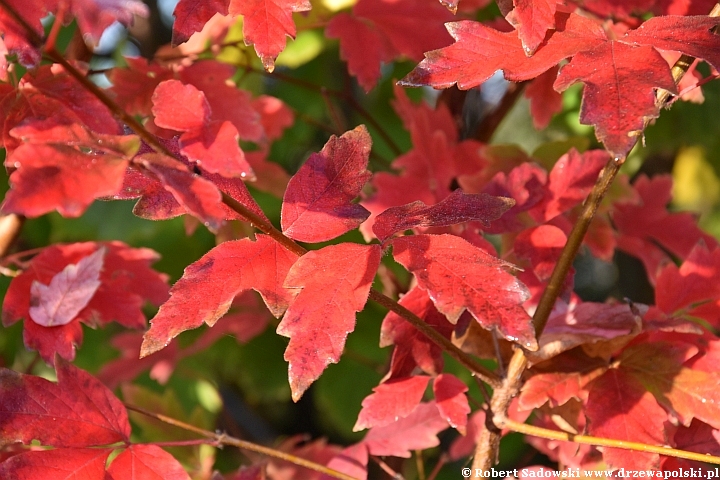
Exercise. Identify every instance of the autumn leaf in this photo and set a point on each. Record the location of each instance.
(212, 144)
(451, 400)
(479, 51)
(352, 461)
(316, 206)
(78, 411)
(58, 464)
(544, 100)
(362, 46)
(228, 103)
(378, 31)
(527, 185)
(266, 23)
(412, 348)
(323, 311)
(194, 193)
(394, 399)
(620, 407)
(596, 326)
(645, 224)
(563, 378)
(532, 19)
(417, 431)
(458, 207)
(619, 95)
(15, 37)
(69, 291)
(238, 265)
(64, 167)
(542, 246)
(126, 281)
(192, 15)
(687, 393)
(693, 283)
(691, 35)
(146, 462)
(571, 179)
(459, 276)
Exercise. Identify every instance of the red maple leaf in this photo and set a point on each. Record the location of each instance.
(460, 276)
(323, 311)
(69, 291)
(52, 96)
(417, 431)
(469, 65)
(532, 19)
(146, 462)
(194, 194)
(694, 282)
(542, 246)
(177, 191)
(620, 407)
(394, 399)
(125, 282)
(571, 179)
(455, 208)
(239, 265)
(352, 461)
(698, 437)
(378, 31)
(58, 464)
(14, 35)
(563, 378)
(619, 95)
(316, 206)
(75, 413)
(687, 393)
(266, 23)
(227, 102)
(192, 15)
(362, 46)
(78, 411)
(275, 115)
(527, 185)
(586, 323)
(647, 230)
(411, 346)
(451, 400)
(544, 100)
(627, 70)
(214, 145)
(426, 171)
(689, 35)
(94, 16)
(133, 86)
(64, 167)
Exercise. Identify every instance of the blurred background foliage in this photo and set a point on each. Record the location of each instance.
(242, 388)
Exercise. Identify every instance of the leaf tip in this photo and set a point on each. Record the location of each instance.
(150, 346)
(268, 63)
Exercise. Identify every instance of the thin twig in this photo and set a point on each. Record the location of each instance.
(601, 442)
(222, 439)
(419, 465)
(438, 466)
(436, 337)
(387, 468)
